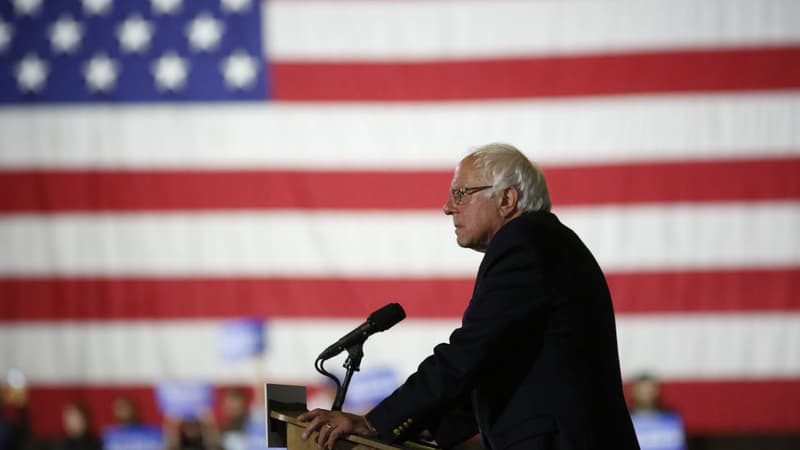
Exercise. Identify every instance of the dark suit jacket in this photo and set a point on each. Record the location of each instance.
(536, 353)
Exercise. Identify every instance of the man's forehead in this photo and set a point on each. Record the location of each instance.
(466, 173)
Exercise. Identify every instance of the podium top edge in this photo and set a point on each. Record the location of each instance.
(291, 417)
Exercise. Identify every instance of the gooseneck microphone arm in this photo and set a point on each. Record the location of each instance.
(318, 364)
(351, 364)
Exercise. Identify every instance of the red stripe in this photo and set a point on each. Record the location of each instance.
(651, 182)
(76, 299)
(707, 407)
(57, 299)
(191, 190)
(698, 181)
(736, 406)
(706, 291)
(714, 70)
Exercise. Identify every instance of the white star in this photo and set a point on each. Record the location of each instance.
(239, 70)
(6, 32)
(235, 6)
(165, 6)
(134, 34)
(170, 71)
(65, 35)
(96, 7)
(31, 73)
(101, 73)
(204, 32)
(27, 7)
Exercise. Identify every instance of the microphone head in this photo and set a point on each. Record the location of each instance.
(387, 317)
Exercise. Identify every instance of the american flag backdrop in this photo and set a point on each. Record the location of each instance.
(166, 165)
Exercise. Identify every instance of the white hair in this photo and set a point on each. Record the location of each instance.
(506, 166)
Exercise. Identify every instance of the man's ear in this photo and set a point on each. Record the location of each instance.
(508, 202)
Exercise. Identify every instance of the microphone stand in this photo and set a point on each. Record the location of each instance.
(352, 364)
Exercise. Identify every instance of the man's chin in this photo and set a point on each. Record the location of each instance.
(471, 246)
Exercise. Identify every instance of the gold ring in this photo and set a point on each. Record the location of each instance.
(328, 426)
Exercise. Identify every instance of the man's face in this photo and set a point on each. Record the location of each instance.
(74, 421)
(124, 411)
(645, 394)
(234, 405)
(476, 217)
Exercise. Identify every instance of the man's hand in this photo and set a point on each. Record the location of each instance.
(334, 424)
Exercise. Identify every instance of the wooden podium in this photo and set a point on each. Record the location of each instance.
(284, 403)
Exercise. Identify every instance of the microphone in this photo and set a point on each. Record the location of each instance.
(380, 320)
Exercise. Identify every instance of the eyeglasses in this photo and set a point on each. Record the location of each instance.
(458, 194)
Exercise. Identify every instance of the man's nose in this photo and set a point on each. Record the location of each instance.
(448, 207)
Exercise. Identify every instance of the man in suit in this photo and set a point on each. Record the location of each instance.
(534, 364)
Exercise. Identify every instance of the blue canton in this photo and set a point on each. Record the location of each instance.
(131, 51)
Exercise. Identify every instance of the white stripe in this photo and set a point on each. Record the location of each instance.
(418, 30)
(285, 243)
(711, 346)
(674, 346)
(428, 135)
(658, 236)
(396, 244)
(137, 351)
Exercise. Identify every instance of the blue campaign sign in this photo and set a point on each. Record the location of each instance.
(133, 437)
(184, 399)
(241, 339)
(659, 431)
(255, 433)
(252, 437)
(369, 387)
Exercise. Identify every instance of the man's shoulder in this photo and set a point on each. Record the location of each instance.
(527, 226)
(522, 232)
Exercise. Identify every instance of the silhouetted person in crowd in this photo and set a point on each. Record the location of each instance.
(236, 409)
(657, 428)
(192, 433)
(77, 429)
(14, 423)
(645, 392)
(236, 413)
(125, 411)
